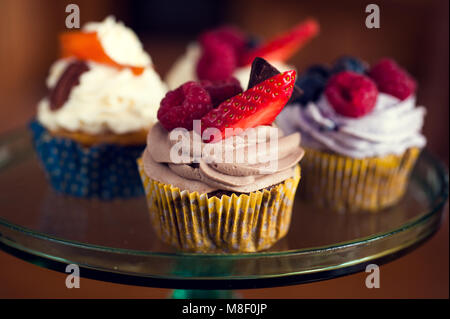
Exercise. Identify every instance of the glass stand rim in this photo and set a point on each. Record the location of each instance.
(218, 270)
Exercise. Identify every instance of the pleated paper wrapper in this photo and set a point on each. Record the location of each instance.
(347, 184)
(104, 171)
(193, 222)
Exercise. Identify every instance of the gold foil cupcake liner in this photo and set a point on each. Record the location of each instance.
(195, 222)
(348, 184)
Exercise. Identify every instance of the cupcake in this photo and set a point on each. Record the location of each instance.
(226, 51)
(220, 177)
(103, 98)
(361, 131)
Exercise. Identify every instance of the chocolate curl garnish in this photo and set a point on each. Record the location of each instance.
(262, 70)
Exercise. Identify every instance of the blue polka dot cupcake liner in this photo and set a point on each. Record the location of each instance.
(104, 171)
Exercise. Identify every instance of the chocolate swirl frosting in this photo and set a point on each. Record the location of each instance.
(256, 159)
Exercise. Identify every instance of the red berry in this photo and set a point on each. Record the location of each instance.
(351, 94)
(222, 89)
(284, 45)
(262, 70)
(233, 37)
(180, 107)
(392, 79)
(259, 105)
(218, 59)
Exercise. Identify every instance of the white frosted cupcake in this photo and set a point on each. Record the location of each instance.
(103, 98)
(226, 52)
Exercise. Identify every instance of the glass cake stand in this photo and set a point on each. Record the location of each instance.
(114, 241)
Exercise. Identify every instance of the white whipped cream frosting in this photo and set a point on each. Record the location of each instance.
(184, 69)
(108, 99)
(391, 127)
(119, 42)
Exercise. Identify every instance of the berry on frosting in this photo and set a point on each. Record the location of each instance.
(284, 45)
(221, 90)
(349, 63)
(232, 36)
(180, 107)
(351, 94)
(392, 79)
(218, 59)
(257, 106)
(312, 82)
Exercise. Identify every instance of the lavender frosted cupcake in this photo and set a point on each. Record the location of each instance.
(361, 131)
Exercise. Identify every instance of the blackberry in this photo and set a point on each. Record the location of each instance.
(312, 82)
(253, 42)
(319, 70)
(349, 63)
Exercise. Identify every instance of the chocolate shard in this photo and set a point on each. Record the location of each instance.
(68, 79)
(262, 70)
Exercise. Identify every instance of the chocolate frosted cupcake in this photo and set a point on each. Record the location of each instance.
(103, 98)
(361, 130)
(228, 184)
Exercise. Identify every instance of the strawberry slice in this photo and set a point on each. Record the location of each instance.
(284, 45)
(86, 46)
(262, 70)
(259, 105)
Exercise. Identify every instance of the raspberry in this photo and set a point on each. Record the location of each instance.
(218, 59)
(351, 94)
(222, 48)
(221, 90)
(180, 107)
(392, 79)
(233, 37)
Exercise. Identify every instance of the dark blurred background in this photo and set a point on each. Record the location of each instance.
(414, 32)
